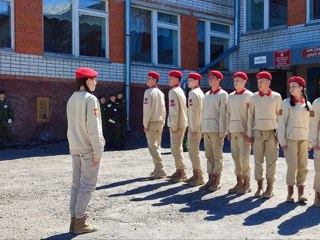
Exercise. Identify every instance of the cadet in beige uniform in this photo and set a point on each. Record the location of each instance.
(86, 145)
(154, 114)
(314, 140)
(213, 127)
(177, 122)
(293, 134)
(237, 117)
(195, 104)
(264, 106)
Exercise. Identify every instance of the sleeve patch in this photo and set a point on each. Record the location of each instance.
(190, 102)
(311, 113)
(96, 112)
(172, 104)
(145, 101)
(280, 112)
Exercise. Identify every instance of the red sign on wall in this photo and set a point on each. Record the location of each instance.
(282, 58)
(311, 52)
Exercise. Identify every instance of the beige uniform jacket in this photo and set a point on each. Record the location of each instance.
(177, 109)
(195, 105)
(293, 122)
(84, 124)
(154, 109)
(214, 112)
(314, 134)
(263, 112)
(237, 111)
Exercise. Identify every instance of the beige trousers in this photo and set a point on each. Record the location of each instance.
(193, 145)
(297, 160)
(316, 184)
(176, 140)
(265, 146)
(213, 152)
(84, 180)
(154, 136)
(240, 151)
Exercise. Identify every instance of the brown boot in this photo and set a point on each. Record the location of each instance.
(194, 176)
(239, 184)
(317, 199)
(160, 173)
(71, 227)
(175, 175)
(246, 186)
(82, 226)
(198, 180)
(259, 192)
(181, 177)
(269, 191)
(209, 183)
(301, 197)
(216, 184)
(290, 198)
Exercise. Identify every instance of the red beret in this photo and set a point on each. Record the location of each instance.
(298, 80)
(85, 72)
(240, 75)
(195, 76)
(266, 75)
(154, 75)
(175, 73)
(216, 73)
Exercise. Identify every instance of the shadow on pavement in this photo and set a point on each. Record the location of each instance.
(269, 214)
(307, 219)
(121, 183)
(61, 236)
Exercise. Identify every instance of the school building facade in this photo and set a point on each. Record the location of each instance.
(42, 43)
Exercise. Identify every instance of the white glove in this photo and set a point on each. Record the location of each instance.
(9, 121)
(110, 120)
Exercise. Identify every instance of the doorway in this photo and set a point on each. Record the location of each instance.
(313, 78)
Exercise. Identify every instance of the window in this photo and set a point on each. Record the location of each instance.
(213, 41)
(314, 9)
(154, 37)
(6, 24)
(262, 14)
(77, 27)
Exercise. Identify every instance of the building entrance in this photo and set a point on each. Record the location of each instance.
(313, 78)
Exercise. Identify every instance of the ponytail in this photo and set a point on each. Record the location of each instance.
(306, 99)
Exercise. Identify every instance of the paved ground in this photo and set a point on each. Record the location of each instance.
(34, 195)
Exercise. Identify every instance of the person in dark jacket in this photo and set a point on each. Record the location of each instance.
(124, 120)
(6, 119)
(113, 118)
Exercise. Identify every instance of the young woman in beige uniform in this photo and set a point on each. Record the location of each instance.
(314, 140)
(195, 104)
(177, 122)
(293, 134)
(237, 116)
(213, 127)
(154, 115)
(262, 128)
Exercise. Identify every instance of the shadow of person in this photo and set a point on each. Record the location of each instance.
(269, 214)
(61, 236)
(121, 183)
(307, 219)
(141, 189)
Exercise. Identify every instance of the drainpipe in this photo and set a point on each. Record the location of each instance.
(127, 64)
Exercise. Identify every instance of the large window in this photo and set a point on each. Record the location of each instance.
(6, 25)
(154, 37)
(77, 27)
(213, 41)
(314, 9)
(262, 14)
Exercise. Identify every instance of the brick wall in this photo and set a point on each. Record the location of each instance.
(296, 12)
(28, 26)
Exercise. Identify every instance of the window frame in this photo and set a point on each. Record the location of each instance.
(207, 42)
(266, 16)
(12, 45)
(154, 36)
(76, 12)
(308, 13)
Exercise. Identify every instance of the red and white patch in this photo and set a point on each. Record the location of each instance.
(145, 101)
(96, 112)
(172, 103)
(190, 102)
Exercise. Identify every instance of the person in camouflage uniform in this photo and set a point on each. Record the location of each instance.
(6, 118)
